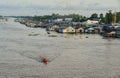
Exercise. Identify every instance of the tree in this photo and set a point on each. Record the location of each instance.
(109, 17)
(94, 16)
(1, 17)
(118, 17)
(101, 16)
(76, 17)
(83, 19)
(55, 16)
(114, 17)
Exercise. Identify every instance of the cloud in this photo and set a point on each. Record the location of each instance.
(30, 7)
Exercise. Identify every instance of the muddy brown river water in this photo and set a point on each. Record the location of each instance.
(70, 56)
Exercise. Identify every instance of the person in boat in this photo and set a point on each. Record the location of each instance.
(45, 60)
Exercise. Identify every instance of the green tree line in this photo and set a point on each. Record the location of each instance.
(76, 17)
(110, 17)
(107, 18)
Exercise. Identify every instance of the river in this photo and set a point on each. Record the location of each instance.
(70, 56)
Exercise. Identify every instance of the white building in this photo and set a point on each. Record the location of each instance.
(58, 20)
(92, 22)
(68, 19)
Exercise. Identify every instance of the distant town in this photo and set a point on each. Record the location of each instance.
(107, 25)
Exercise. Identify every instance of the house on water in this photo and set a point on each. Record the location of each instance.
(69, 29)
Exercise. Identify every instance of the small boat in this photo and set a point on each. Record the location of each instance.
(45, 60)
(48, 32)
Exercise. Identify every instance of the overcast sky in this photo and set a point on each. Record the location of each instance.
(47, 7)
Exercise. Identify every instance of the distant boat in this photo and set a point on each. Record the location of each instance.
(48, 32)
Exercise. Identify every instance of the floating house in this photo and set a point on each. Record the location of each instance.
(117, 29)
(69, 30)
(60, 30)
(79, 30)
(53, 28)
(29, 24)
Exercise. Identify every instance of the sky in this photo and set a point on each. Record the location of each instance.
(47, 7)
